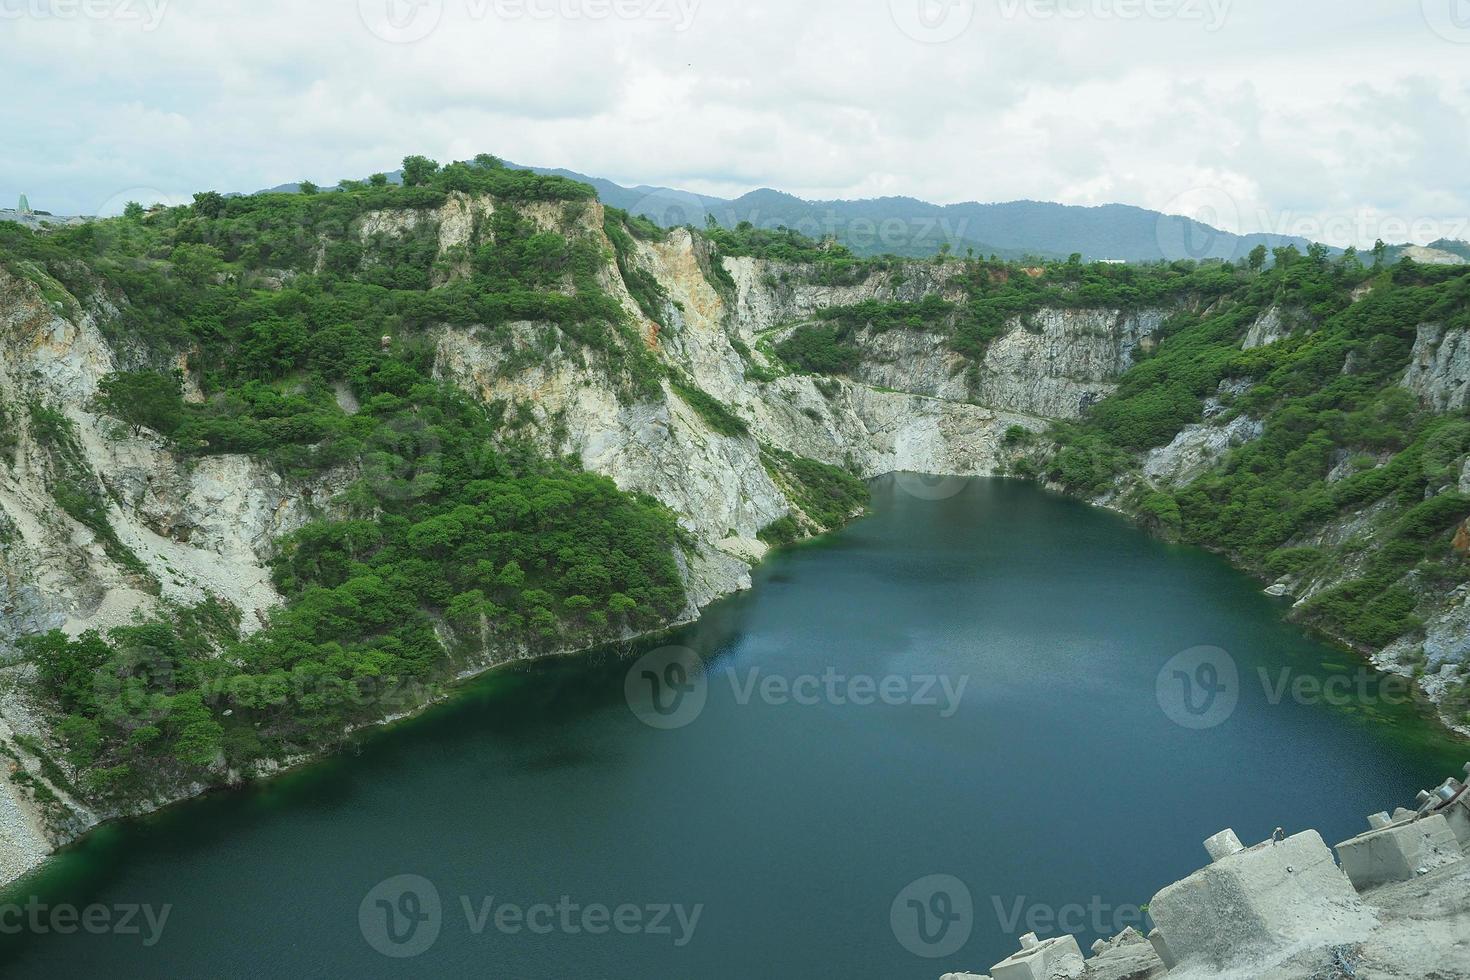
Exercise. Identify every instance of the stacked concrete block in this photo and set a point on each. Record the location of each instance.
(1255, 904)
(1454, 806)
(1399, 851)
(1051, 959)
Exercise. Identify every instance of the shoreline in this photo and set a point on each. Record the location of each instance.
(1369, 658)
(268, 770)
(451, 687)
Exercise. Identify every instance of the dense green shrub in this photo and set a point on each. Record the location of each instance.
(828, 494)
(781, 532)
(145, 398)
(820, 350)
(715, 413)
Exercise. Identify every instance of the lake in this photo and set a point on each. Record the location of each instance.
(983, 710)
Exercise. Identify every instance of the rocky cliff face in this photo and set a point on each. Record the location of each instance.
(172, 531)
(182, 529)
(1052, 364)
(207, 526)
(1440, 371)
(718, 484)
(1058, 363)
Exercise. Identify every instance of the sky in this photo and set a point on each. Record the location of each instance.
(1337, 120)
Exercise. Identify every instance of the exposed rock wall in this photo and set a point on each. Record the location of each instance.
(1052, 364)
(195, 528)
(1058, 363)
(207, 526)
(1268, 328)
(770, 294)
(718, 484)
(1440, 370)
(1196, 450)
(198, 527)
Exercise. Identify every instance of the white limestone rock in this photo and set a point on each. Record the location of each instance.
(1058, 363)
(1197, 448)
(1059, 958)
(1439, 372)
(1269, 327)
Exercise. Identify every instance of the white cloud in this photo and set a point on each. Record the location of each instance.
(1305, 115)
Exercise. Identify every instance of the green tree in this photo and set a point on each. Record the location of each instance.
(1258, 258)
(378, 180)
(308, 188)
(1285, 256)
(133, 211)
(418, 171)
(67, 668)
(209, 204)
(144, 399)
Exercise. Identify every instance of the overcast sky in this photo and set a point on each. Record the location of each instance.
(1341, 120)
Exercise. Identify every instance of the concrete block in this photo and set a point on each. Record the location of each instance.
(1457, 815)
(1399, 852)
(1049, 959)
(1127, 956)
(1451, 800)
(1448, 791)
(1161, 948)
(1223, 844)
(1263, 902)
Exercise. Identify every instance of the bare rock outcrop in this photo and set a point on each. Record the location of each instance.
(1440, 370)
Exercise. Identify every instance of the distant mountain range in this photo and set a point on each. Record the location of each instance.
(909, 227)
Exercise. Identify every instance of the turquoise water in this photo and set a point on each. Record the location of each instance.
(789, 830)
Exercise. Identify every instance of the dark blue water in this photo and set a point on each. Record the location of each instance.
(1058, 786)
